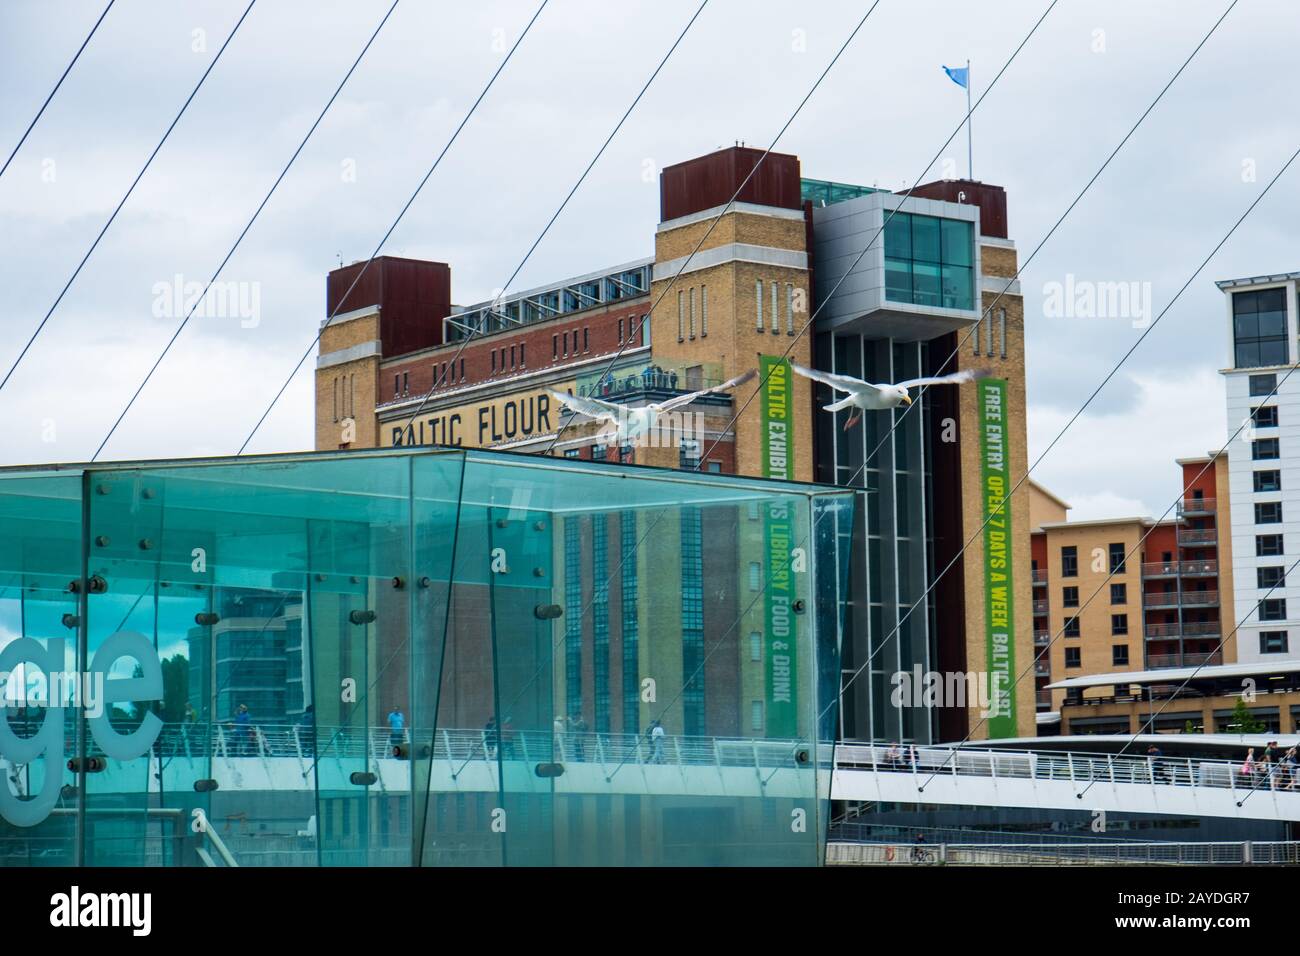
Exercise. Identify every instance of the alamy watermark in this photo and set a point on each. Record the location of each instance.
(1087, 299)
(959, 689)
(234, 299)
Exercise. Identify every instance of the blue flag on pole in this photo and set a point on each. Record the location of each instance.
(959, 75)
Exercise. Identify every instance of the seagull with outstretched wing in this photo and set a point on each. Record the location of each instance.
(865, 396)
(631, 423)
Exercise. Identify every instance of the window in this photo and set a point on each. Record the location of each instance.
(704, 312)
(1118, 655)
(397, 385)
(1272, 642)
(1119, 594)
(1272, 609)
(690, 314)
(1259, 328)
(1265, 416)
(494, 361)
(789, 308)
(1263, 384)
(1268, 545)
(755, 646)
(1070, 562)
(406, 383)
(1116, 558)
(1268, 481)
(715, 467)
(555, 347)
(571, 453)
(620, 331)
(1265, 448)
(1271, 577)
(1072, 627)
(755, 575)
(336, 398)
(681, 315)
(1070, 597)
(1073, 657)
(565, 337)
(758, 298)
(523, 356)
(756, 715)
(599, 451)
(930, 261)
(1119, 623)
(776, 311)
(751, 510)
(462, 370)
(513, 365)
(1268, 512)
(585, 330)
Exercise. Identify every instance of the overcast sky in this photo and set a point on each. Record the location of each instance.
(1198, 161)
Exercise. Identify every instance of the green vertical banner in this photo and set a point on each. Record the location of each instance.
(999, 589)
(780, 633)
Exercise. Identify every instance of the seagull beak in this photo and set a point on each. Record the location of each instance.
(908, 399)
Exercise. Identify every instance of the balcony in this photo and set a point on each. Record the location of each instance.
(1197, 537)
(1165, 632)
(1042, 669)
(1196, 506)
(1173, 569)
(1158, 661)
(1040, 606)
(1042, 638)
(1175, 598)
(1044, 698)
(1039, 577)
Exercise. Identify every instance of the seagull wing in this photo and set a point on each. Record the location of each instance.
(956, 378)
(592, 407)
(681, 400)
(841, 383)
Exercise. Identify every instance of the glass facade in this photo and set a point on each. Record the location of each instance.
(1259, 328)
(428, 657)
(929, 261)
(885, 458)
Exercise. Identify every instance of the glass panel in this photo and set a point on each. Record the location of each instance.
(40, 559)
(925, 284)
(898, 280)
(898, 236)
(958, 247)
(432, 657)
(925, 239)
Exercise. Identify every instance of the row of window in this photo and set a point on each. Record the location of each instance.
(774, 311)
(1001, 335)
(1118, 595)
(1117, 554)
(686, 313)
(560, 345)
(1118, 656)
(499, 356)
(1118, 625)
(345, 394)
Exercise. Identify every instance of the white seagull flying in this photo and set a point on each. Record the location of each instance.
(631, 423)
(865, 396)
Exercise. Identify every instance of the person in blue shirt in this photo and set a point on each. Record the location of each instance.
(396, 726)
(243, 729)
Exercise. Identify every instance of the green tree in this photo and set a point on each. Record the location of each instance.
(176, 688)
(1243, 720)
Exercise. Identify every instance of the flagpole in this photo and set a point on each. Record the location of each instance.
(970, 151)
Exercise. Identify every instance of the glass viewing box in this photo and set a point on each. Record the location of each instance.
(433, 657)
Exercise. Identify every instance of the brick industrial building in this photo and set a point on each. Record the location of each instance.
(400, 364)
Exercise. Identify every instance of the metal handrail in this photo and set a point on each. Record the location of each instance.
(1074, 766)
